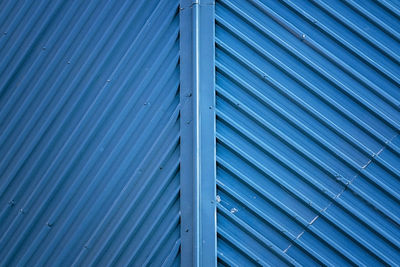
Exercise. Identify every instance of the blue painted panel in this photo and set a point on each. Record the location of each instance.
(308, 119)
(198, 169)
(89, 133)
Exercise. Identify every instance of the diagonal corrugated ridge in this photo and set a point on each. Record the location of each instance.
(259, 213)
(338, 176)
(307, 108)
(275, 84)
(226, 46)
(90, 136)
(55, 114)
(390, 7)
(93, 131)
(339, 63)
(57, 59)
(366, 37)
(337, 38)
(34, 29)
(306, 201)
(107, 219)
(294, 155)
(305, 154)
(309, 63)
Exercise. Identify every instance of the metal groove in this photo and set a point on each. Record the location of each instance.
(391, 216)
(294, 146)
(307, 111)
(89, 133)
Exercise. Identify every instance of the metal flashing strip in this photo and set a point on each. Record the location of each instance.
(198, 171)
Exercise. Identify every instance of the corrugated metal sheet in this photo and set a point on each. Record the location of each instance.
(307, 127)
(89, 139)
(308, 119)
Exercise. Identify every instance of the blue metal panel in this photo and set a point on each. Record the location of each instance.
(198, 189)
(308, 119)
(89, 133)
(102, 155)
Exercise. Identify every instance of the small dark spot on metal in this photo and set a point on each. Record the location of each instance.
(160, 168)
(210, 107)
(189, 95)
(49, 224)
(11, 203)
(186, 230)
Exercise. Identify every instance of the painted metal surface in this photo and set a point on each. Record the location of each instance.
(108, 137)
(89, 134)
(308, 119)
(198, 171)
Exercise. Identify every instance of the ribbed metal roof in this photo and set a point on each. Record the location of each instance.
(308, 122)
(307, 132)
(89, 144)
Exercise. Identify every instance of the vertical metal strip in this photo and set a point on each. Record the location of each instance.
(198, 187)
(205, 132)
